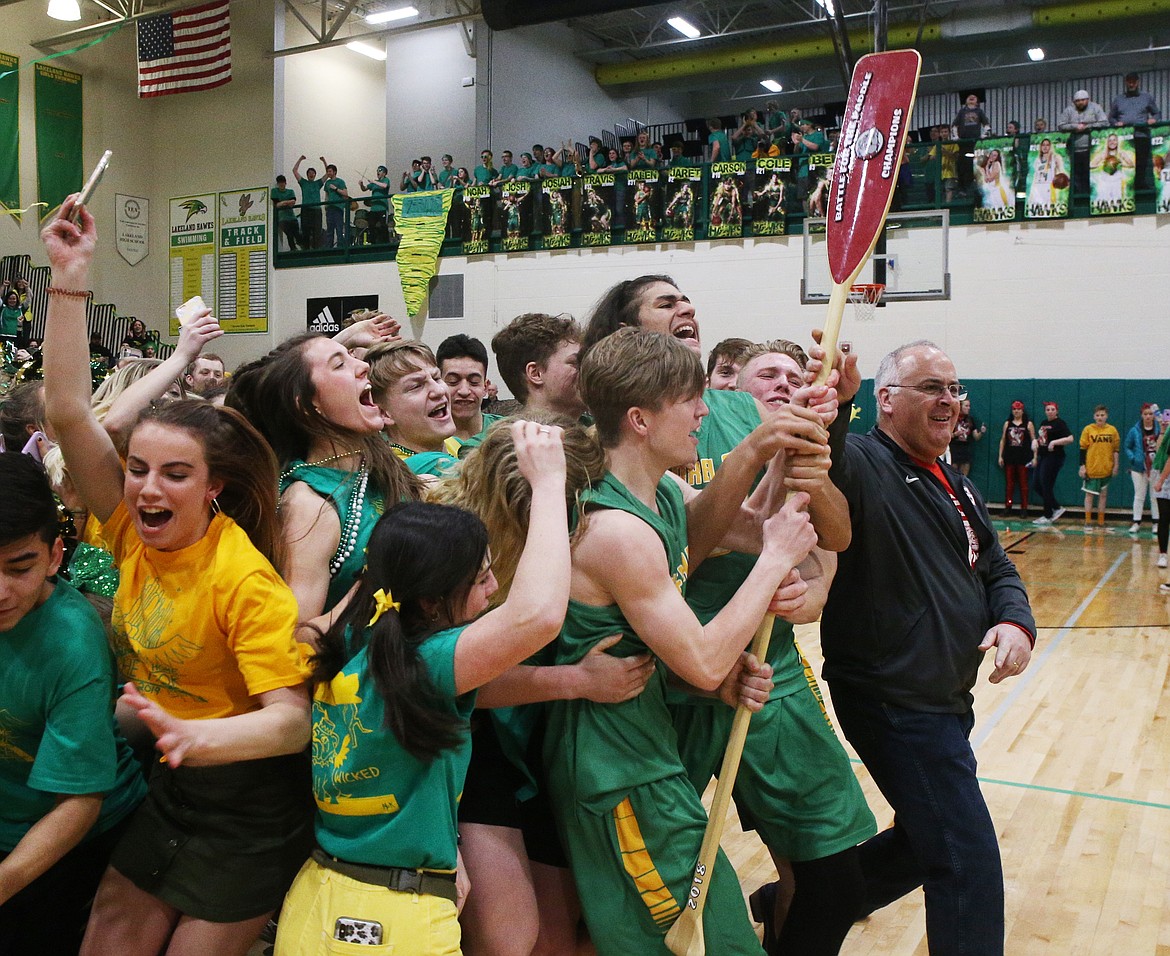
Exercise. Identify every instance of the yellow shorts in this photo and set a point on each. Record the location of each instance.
(330, 914)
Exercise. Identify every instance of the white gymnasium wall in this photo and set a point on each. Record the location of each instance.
(541, 93)
(1062, 300)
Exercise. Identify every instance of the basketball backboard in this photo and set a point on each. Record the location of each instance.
(915, 260)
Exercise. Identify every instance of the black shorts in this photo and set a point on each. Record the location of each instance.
(221, 844)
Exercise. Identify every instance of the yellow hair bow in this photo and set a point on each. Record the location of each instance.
(383, 602)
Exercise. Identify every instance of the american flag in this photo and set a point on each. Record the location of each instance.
(185, 51)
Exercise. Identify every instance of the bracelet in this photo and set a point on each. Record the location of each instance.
(70, 293)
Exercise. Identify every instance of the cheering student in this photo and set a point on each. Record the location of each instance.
(203, 630)
(395, 685)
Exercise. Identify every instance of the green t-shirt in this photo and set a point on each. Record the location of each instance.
(310, 190)
(283, 213)
(331, 194)
(57, 730)
(376, 803)
(725, 153)
(447, 177)
(482, 175)
(379, 194)
(527, 172)
(436, 463)
(817, 142)
(730, 418)
(339, 487)
(598, 753)
(550, 169)
(569, 169)
(510, 171)
(466, 444)
(10, 321)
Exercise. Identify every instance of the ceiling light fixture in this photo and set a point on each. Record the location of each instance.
(386, 16)
(366, 50)
(1036, 54)
(64, 9)
(771, 86)
(685, 27)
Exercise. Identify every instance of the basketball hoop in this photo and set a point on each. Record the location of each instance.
(865, 298)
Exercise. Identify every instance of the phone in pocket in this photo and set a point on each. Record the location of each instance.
(359, 932)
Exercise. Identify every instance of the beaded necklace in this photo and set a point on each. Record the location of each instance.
(353, 518)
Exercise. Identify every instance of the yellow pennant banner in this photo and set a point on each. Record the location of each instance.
(421, 221)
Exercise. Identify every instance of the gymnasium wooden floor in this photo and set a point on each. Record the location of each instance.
(1073, 757)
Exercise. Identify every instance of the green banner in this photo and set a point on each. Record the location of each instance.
(9, 132)
(995, 174)
(1112, 166)
(1048, 177)
(58, 122)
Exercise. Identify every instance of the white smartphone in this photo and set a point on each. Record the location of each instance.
(189, 309)
(91, 184)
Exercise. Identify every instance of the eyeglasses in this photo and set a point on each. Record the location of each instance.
(936, 389)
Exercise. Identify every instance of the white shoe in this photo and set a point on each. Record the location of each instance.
(1164, 588)
(1162, 560)
(1042, 520)
(1135, 528)
(1056, 514)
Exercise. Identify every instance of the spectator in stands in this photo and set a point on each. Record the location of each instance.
(283, 201)
(596, 155)
(508, 169)
(676, 155)
(137, 336)
(627, 151)
(748, 136)
(20, 284)
(1019, 152)
(310, 203)
(463, 178)
(718, 141)
(777, 126)
(537, 153)
(11, 321)
(409, 181)
(528, 169)
(949, 156)
(204, 374)
(644, 155)
(1040, 125)
(427, 179)
(337, 204)
(550, 168)
(485, 172)
(809, 138)
(98, 351)
(447, 172)
(614, 162)
(1137, 108)
(970, 124)
(570, 160)
(379, 203)
(1082, 116)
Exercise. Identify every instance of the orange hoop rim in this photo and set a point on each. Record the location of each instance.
(870, 292)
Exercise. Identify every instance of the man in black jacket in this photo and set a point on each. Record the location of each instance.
(924, 590)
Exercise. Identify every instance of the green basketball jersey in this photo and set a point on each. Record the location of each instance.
(732, 416)
(613, 748)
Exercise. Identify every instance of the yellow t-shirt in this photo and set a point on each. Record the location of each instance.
(1101, 443)
(205, 629)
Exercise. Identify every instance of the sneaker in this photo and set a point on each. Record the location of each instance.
(1162, 560)
(1042, 520)
(1164, 588)
(1056, 514)
(1089, 529)
(1135, 528)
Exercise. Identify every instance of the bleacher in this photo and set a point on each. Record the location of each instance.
(102, 317)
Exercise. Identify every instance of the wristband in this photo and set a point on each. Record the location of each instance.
(69, 293)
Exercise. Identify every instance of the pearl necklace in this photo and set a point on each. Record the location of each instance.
(347, 543)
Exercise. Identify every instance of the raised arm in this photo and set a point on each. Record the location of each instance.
(193, 337)
(535, 608)
(89, 452)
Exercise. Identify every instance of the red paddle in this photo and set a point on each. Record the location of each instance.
(877, 118)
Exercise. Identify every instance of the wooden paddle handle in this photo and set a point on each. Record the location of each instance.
(685, 937)
(838, 299)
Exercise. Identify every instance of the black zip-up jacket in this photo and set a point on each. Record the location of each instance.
(906, 612)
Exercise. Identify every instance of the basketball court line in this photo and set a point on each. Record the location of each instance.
(986, 727)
